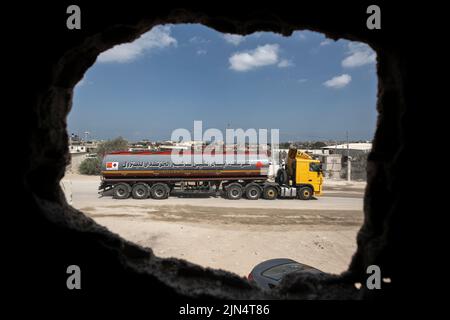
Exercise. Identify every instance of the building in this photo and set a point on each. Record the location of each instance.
(77, 149)
(363, 147)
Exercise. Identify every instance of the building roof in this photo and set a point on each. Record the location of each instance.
(363, 146)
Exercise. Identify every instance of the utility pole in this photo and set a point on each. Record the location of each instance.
(349, 163)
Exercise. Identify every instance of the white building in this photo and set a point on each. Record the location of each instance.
(77, 149)
(357, 146)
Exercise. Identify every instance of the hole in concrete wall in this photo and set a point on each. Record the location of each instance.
(230, 75)
(388, 230)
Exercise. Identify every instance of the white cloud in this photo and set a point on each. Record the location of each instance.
(256, 34)
(235, 39)
(285, 63)
(338, 82)
(359, 54)
(201, 52)
(301, 35)
(303, 80)
(158, 37)
(199, 40)
(259, 57)
(325, 42)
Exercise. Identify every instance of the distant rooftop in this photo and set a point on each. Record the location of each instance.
(364, 146)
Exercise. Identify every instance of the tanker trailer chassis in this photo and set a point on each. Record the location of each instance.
(162, 188)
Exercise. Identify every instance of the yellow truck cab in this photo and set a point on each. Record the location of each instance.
(302, 175)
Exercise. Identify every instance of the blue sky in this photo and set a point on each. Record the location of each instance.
(309, 87)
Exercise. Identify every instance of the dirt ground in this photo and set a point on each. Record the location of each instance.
(232, 235)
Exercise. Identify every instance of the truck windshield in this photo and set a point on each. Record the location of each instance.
(317, 167)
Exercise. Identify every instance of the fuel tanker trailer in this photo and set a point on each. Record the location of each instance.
(156, 175)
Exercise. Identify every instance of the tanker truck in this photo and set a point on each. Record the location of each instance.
(156, 175)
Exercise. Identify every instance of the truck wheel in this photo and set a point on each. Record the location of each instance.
(305, 193)
(234, 191)
(270, 193)
(282, 177)
(121, 191)
(159, 191)
(253, 192)
(140, 191)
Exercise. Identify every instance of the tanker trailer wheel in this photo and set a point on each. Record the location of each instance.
(305, 193)
(270, 193)
(234, 191)
(159, 191)
(253, 192)
(121, 191)
(140, 191)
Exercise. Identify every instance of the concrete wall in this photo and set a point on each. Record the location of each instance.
(332, 165)
(120, 269)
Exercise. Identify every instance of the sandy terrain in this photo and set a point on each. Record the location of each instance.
(233, 235)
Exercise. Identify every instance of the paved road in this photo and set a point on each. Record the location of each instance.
(232, 235)
(85, 194)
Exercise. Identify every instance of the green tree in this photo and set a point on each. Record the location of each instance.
(93, 166)
(117, 144)
(318, 145)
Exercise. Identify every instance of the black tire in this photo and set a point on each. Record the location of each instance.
(270, 193)
(305, 193)
(140, 191)
(121, 191)
(159, 191)
(253, 192)
(234, 191)
(282, 177)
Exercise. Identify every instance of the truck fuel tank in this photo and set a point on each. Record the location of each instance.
(288, 192)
